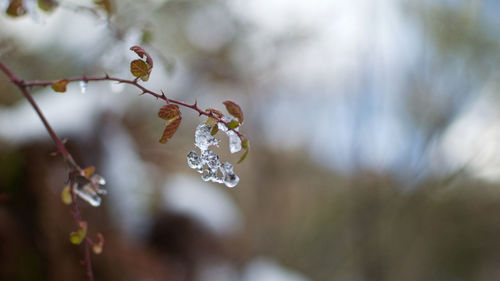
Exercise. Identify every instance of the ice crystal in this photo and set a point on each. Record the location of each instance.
(234, 139)
(89, 189)
(208, 162)
(203, 139)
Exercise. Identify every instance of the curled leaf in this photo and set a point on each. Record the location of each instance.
(97, 248)
(140, 69)
(16, 8)
(234, 110)
(66, 195)
(245, 144)
(243, 156)
(142, 53)
(60, 86)
(170, 129)
(169, 112)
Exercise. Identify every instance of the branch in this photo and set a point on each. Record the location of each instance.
(143, 89)
(74, 168)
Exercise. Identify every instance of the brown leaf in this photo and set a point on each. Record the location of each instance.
(234, 110)
(169, 112)
(87, 172)
(60, 86)
(170, 129)
(215, 112)
(16, 8)
(141, 53)
(140, 69)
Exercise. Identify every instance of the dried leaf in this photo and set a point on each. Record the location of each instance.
(170, 129)
(169, 112)
(215, 112)
(140, 69)
(16, 8)
(142, 53)
(87, 172)
(66, 195)
(234, 110)
(97, 248)
(60, 86)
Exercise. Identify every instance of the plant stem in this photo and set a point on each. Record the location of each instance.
(143, 89)
(61, 150)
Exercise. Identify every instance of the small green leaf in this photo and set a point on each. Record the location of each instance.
(169, 112)
(47, 5)
(66, 195)
(60, 86)
(243, 156)
(16, 8)
(245, 144)
(170, 129)
(77, 237)
(211, 121)
(234, 110)
(140, 68)
(233, 124)
(214, 130)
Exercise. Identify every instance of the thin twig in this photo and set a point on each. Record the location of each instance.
(143, 89)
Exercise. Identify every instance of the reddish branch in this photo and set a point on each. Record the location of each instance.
(143, 89)
(62, 151)
(24, 86)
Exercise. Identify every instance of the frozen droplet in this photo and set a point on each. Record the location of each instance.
(97, 180)
(231, 180)
(207, 162)
(234, 142)
(193, 160)
(202, 137)
(87, 193)
(83, 86)
(222, 127)
(211, 159)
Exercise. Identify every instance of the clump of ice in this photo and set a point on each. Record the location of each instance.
(90, 189)
(208, 162)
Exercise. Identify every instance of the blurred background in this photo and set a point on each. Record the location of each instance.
(374, 131)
